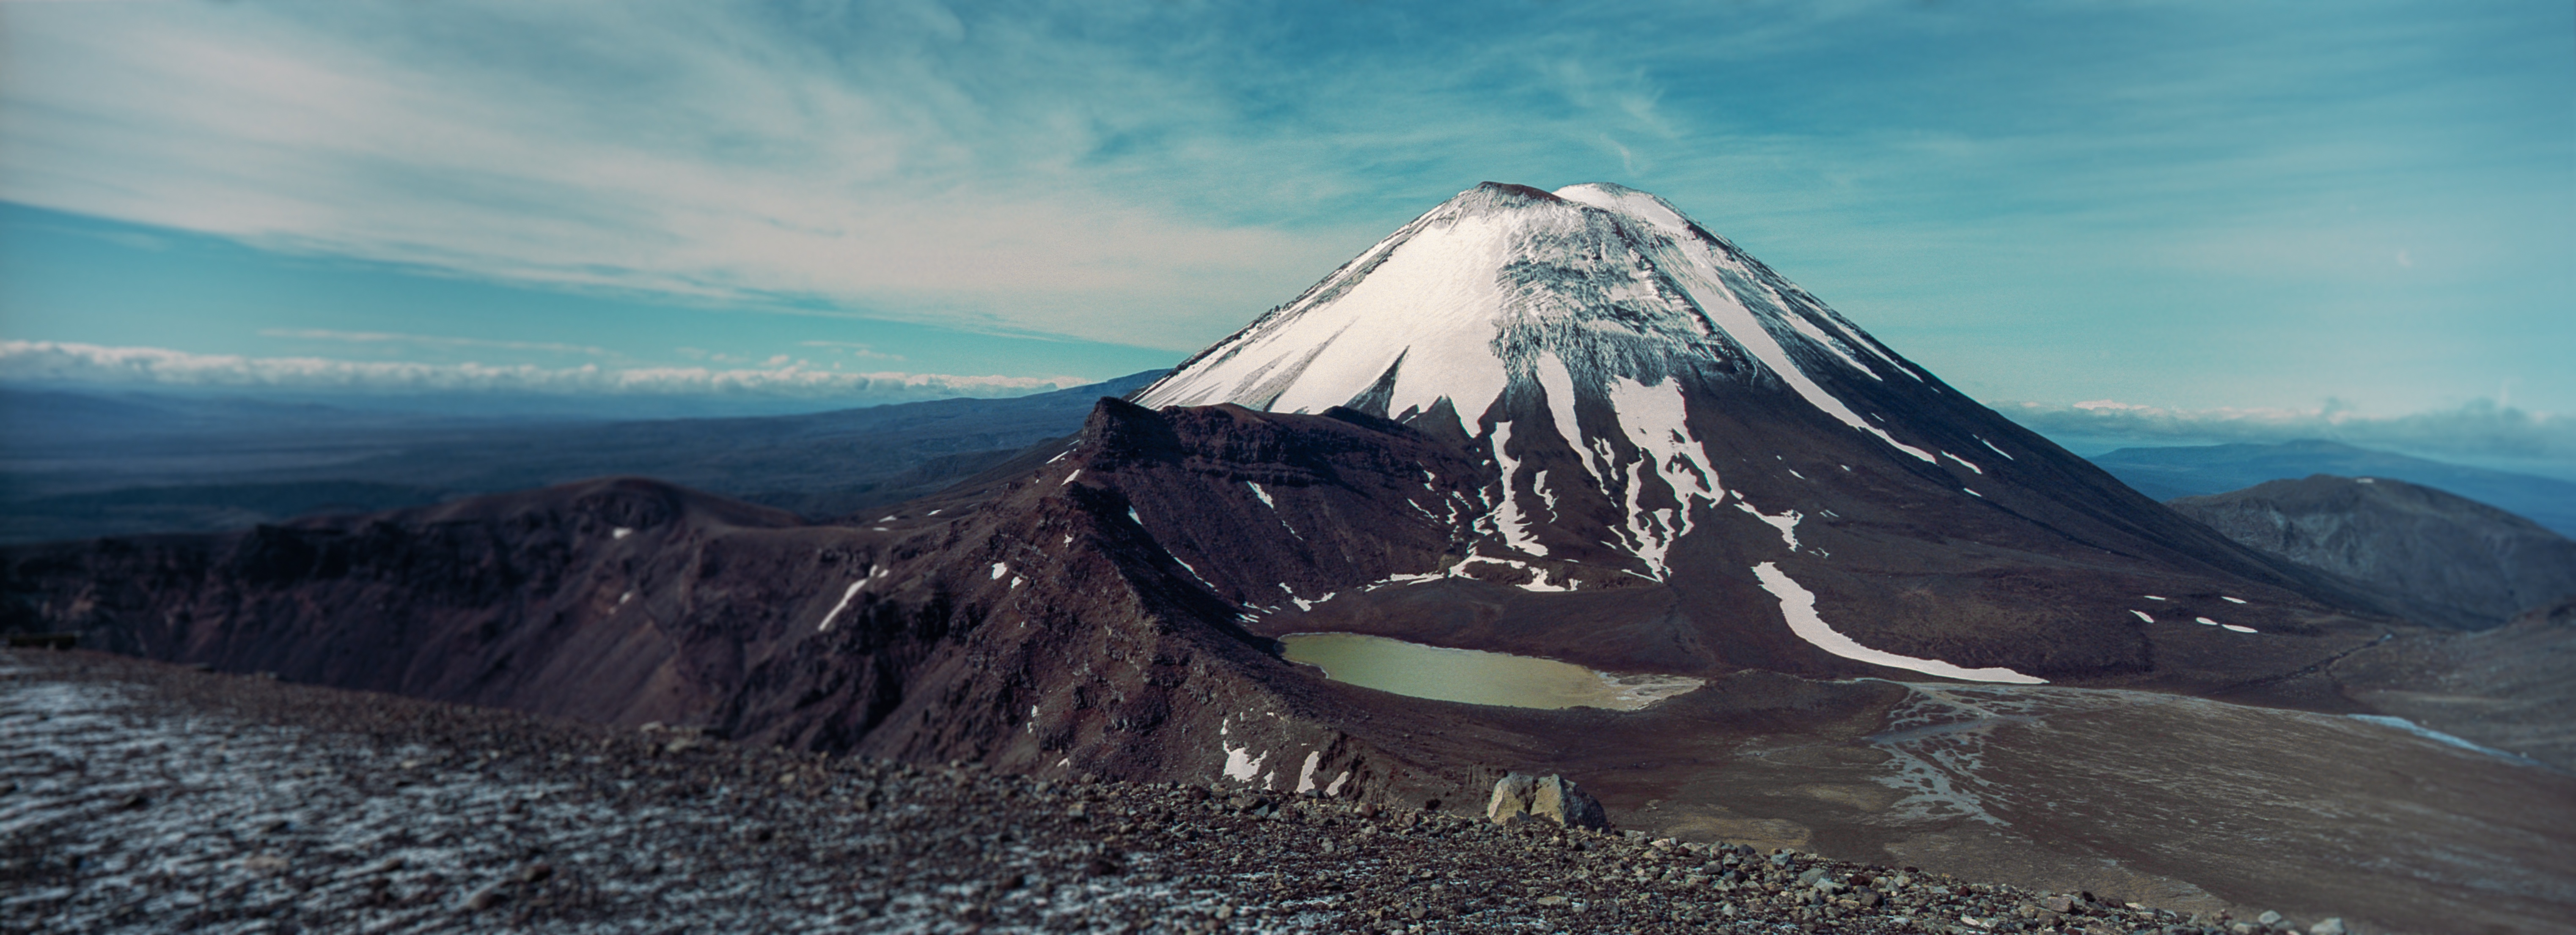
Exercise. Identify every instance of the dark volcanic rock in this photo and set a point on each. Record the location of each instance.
(498, 601)
(2505, 687)
(290, 807)
(1029, 621)
(2450, 560)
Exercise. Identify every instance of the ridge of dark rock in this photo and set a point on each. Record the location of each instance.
(2448, 559)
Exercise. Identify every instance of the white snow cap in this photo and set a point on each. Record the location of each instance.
(1599, 300)
(1460, 303)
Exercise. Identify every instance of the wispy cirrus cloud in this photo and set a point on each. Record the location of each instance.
(714, 151)
(53, 363)
(1117, 172)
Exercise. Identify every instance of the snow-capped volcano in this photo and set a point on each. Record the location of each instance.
(1505, 285)
(1639, 407)
(1589, 315)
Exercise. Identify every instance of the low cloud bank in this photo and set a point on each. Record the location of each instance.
(2480, 429)
(49, 362)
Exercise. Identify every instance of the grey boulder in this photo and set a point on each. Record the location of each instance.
(1552, 797)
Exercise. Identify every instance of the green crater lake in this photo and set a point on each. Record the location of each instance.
(1473, 676)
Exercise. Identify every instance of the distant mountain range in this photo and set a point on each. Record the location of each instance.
(2166, 473)
(78, 466)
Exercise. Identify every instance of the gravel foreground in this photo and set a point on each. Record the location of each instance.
(139, 797)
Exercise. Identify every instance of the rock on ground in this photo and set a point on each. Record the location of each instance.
(1520, 796)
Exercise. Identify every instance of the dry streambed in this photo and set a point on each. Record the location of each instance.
(136, 797)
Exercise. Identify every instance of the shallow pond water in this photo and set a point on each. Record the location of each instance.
(1474, 676)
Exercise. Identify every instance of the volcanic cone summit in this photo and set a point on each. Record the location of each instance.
(1506, 286)
(1594, 315)
(1642, 402)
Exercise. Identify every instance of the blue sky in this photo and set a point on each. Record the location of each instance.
(2295, 211)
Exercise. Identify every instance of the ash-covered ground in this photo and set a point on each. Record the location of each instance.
(139, 797)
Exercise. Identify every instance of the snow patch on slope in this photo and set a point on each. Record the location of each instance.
(2442, 738)
(1240, 764)
(1654, 419)
(1786, 522)
(1508, 518)
(1558, 383)
(1828, 342)
(1798, 605)
(826, 625)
